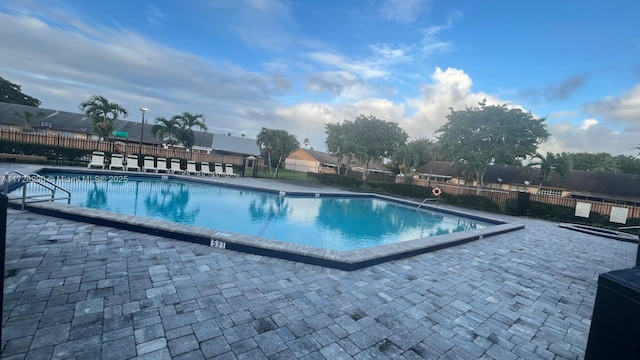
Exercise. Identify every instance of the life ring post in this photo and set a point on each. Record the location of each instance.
(436, 191)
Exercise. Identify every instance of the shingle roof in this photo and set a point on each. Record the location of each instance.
(234, 144)
(79, 123)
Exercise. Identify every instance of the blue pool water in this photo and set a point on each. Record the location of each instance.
(330, 222)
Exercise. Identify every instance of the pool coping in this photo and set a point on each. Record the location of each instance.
(342, 260)
(606, 233)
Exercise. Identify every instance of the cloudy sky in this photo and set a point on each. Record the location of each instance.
(298, 64)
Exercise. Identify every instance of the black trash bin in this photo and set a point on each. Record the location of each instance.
(615, 325)
(522, 203)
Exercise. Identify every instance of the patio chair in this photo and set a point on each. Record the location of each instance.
(116, 162)
(228, 169)
(218, 171)
(97, 160)
(175, 167)
(205, 169)
(149, 164)
(191, 168)
(161, 165)
(132, 163)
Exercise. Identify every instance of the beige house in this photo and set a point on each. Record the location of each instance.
(305, 160)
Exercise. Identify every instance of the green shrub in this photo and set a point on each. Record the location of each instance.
(472, 201)
(335, 179)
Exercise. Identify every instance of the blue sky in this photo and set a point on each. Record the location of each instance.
(296, 65)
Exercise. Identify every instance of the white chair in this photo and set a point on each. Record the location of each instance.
(161, 165)
(149, 164)
(228, 169)
(175, 167)
(191, 168)
(97, 160)
(205, 169)
(218, 171)
(116, 162)
(132, 163)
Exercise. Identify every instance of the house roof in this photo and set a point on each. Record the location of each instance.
(234, 144)
(579, 182)
(329, 159)
(79, 123)
(322, 157)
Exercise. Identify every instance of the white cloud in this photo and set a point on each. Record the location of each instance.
(624, 108)
(363, 69)
(402, 11)
(451, 88)
(154, 15)
(587, 123)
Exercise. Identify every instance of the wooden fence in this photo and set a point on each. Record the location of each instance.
(117, 147)
(602, 207)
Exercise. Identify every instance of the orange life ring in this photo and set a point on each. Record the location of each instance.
(436, 191)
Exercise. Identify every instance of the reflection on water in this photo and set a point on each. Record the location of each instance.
(96, 197)
(170, 203)
(328, 222)
(266, 206)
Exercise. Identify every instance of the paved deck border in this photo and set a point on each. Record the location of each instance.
(342, 260)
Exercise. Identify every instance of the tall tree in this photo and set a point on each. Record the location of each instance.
(12, 93)
(102, 113)
(277, 144)
(168, 128)
(488, 134)
(559, 163)
(27, 116)
(600, 162)
(628, 164)
(338, 142)
(416, 153)
(375, 139)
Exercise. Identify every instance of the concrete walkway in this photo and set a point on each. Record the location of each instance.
(74, 290)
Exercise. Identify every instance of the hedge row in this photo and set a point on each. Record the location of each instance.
(56, 154)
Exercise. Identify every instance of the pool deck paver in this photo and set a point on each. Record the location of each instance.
(75, 290)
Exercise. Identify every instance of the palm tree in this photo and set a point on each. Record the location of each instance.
(166, 127)
(103, 114)
(187, 122)
(560, 163)
(26, 117)
(278, 143)
(306, 142)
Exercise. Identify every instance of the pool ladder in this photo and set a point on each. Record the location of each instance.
(427, 199)
(37, 179)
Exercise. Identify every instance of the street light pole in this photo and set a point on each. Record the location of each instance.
(143, 110)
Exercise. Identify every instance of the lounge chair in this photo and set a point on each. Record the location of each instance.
(161, 165)
(149, 164)
(175, 167)
(97, 160)
(132, 163)
(191, 168)
(218, 171)
(205, 169)
(116, 162)
(228, 169)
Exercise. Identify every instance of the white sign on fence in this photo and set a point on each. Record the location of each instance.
(583, 209)
(619, 215)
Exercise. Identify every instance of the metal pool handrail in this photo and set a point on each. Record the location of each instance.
(35, 179)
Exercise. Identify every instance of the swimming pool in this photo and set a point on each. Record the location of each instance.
(327, 228)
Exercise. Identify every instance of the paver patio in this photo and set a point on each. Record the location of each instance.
(74, 290)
